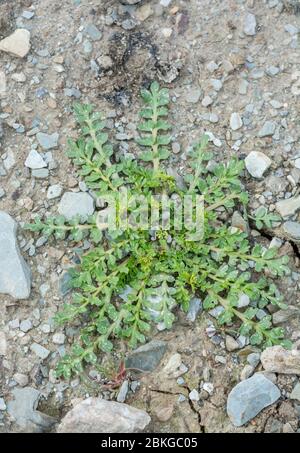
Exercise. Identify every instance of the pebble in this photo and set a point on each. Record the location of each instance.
(23, 410)
(2, 405)
(195, 308)
(15, 276)
(231, 344)
(235, 121)
(292, 229)
(19, 77)
(253, 359)
(34, 160)
(39, 350)
(295, 395)
(76, 203)
(40, 173)
(246, 372)
(250, 397)
(47, 141)
(267, 130)
(58, 338)
(96, 415)
(194, 395)
(250, 25)
(26, 325)
(288, 207)
(216, 84)
(193, 95)
(147, 357)
(257, 163)
(122, 394)
(17, 44)
(21, 379)
(276, 359)
(92, 31)
(54, 191)
(206, 101)
(28, 14)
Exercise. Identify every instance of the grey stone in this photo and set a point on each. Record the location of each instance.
(93, 32)
(231, 344)
(76, 203)
(26, 325)
(273, 71)
(295, 395)
(2, 192)
(250, 25)
(195, 308)
(292, 229)
(250, 397)
(39, 350)
(54, 191)
(47, 141)
(257, 163)
(34, 160)
(96, 415)
(23, 410)
(235, 121)
(58, 338)
(216, 84)
(193, 95)
(17, 44)
(291, 29)
(253, 359)
(130, 2)
(40, 173)
(148, 356)
(21, 379)
(65, 284)
(15, 276)
(194, 395)
(281, 316)
(123, 392)
(288, 207)
(267, 130)
(2, 405)
(206, 101)
(276, 359)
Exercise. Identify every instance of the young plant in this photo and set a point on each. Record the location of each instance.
(134, 278)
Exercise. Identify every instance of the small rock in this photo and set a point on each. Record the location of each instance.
(216, 84)
(34, 160)
(2, 405)
(253, 359)
(15, 276)
(148, 356)
(195, 308)
(76, 204)
(231, 344)
(246, 372)
(18, 43)
(250, 397)
(194, 395)
(267, 130)
(235, 121)
(21, 379)
(3, 344)
(193, 95)
(40, 173)
(281, 316)
(96, 415)
(206, 101)
(54, 191)
(250, 25)
(40, 351)
(23, 410)
(26, 325)
(257, 163)
(58, 338)
(295, 395)
(93, 32)
(276, 359)
(123, 392)
(292, 229)
(144, 12)
(47, 141)
(288, 207)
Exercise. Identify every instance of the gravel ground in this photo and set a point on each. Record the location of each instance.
(233, 70)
